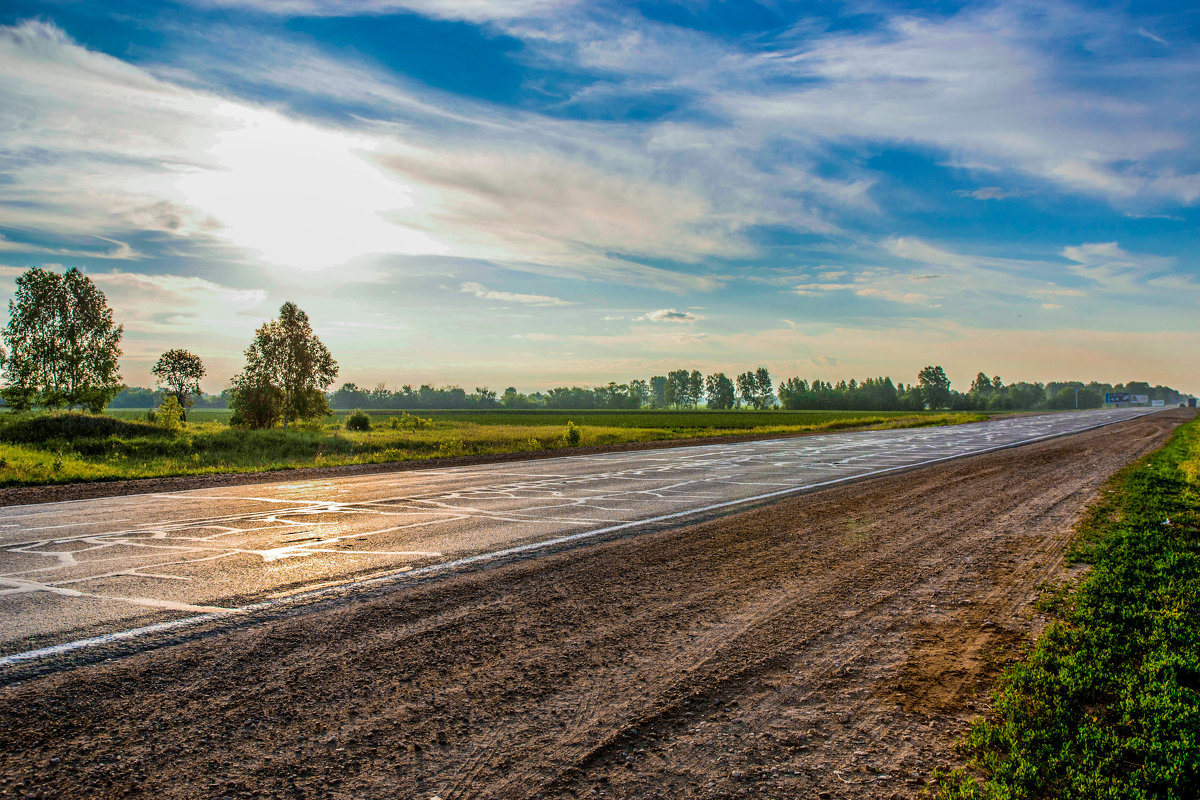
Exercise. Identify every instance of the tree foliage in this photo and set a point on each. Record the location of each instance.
(720, 392)
(62, 344)
(935, 387)
(180, 372)
(287, 371)
(754, 388)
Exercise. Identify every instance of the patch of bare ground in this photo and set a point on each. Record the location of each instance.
(828, 645)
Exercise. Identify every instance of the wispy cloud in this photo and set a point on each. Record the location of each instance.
(990, 193)
(512, 297)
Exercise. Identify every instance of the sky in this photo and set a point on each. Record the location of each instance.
(537, 193)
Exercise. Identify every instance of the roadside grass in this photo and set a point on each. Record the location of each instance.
(1106, 704)
(67, 447)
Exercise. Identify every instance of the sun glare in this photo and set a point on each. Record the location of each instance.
(300, 196)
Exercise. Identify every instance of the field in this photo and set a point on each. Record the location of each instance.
(60, 448)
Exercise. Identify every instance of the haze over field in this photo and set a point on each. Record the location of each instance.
(539, 192)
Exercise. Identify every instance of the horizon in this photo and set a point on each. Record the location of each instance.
(538, 193)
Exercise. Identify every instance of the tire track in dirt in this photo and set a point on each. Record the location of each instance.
(830, 643)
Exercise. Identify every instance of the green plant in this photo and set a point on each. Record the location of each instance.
(393, 422)
(170, 414)
(58, 462)
(358, 421)
(408, 420)
(572, 436)
(1107, 704)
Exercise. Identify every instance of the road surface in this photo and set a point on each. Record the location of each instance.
(826, 644)
(72, 571)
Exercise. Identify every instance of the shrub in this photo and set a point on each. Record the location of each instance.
(358, 421)
(573, 435)
(394, 422)
(170, 414)
(408, 420)
(69, 426)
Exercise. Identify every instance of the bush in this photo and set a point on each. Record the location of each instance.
(573, 435)
(170, 414)
(408, 420)
(67, 426)
(358, 421)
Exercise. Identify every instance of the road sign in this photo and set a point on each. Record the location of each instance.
(1118, 397)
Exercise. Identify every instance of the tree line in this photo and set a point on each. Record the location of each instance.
(61, 348)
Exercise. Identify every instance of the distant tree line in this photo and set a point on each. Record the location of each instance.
(61, 348)
(678, 390)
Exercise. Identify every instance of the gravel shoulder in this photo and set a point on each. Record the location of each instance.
(827, 645)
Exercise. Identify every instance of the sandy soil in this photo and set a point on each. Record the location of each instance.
(829, 645)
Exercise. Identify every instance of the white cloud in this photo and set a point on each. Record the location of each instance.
(510, 297)
(670, 315)
(100, 147)
(990, 193)
(1112, 269)
(472, 10)
(120, 251)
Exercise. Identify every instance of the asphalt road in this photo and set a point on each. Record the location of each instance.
(94, 568)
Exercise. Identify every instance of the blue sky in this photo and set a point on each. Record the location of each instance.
(540, 192)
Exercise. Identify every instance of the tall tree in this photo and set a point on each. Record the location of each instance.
(720, 391)
(755, 388)
(658, 391)
(180, 371)
(62, 344)
(285, 364)
(935, 387)
(679, 389)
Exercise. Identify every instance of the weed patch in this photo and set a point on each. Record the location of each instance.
(1107, 703)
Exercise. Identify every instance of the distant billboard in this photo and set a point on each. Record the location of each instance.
(1158, 403)
(1126, 397)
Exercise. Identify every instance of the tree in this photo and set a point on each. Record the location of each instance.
(935, 387)
(658, 391)
(180, 372)
(62, 344)
(720, 392)
(680, 386)
(755, 388)
(287, 371)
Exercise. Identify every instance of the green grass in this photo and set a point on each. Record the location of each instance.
(60, 448)
(1106, 706)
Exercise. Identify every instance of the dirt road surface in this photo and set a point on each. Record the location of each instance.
(827, 645)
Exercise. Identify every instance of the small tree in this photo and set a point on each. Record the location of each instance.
(287, 371)
(180, 372)
(62, 344)
(170, 413)
(935, 387)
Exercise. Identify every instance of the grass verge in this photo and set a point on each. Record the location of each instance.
(1106, 705)
(64, 448)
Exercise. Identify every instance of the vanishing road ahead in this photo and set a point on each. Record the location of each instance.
(91, 568)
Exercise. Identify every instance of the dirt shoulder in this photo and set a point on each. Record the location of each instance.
(828, 645)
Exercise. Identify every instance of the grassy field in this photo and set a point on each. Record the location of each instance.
(1107, 704)
(36, 449)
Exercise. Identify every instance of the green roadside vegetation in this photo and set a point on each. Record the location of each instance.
(1106, 705)
(69, 446)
